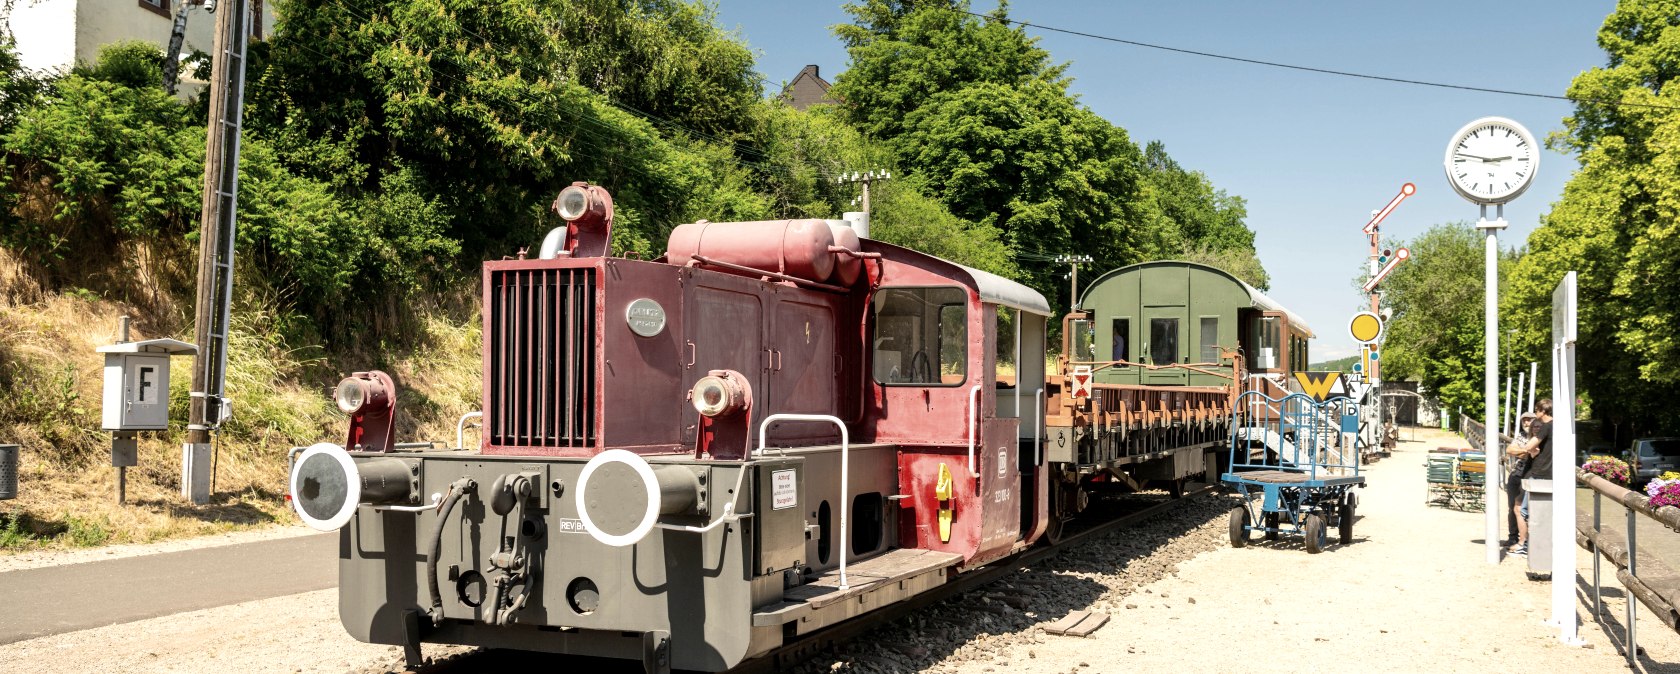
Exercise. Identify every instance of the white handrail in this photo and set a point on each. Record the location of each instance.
(845, 471)
(973, 410)
(1038, 428)
(461, 427)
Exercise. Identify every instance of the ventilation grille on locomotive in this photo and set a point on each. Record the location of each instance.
(541, 337)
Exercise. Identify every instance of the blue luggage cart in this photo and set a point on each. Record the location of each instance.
(1294, 468)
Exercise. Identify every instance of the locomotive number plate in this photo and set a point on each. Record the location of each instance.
(645, 317)
(784, 489)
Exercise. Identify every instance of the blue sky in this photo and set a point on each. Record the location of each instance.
(1312, 154)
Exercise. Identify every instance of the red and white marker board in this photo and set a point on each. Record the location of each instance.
(1082, 381)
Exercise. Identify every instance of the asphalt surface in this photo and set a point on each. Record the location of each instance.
(56, 599)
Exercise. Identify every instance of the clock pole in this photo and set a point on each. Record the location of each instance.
(1491, 447)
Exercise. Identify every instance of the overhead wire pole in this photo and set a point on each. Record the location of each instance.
(1073, 261)
(865, 179)
(218, 227)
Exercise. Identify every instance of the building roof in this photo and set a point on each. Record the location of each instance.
(807, 89)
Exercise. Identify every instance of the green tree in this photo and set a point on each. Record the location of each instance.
(983, 118)
(1616, 224)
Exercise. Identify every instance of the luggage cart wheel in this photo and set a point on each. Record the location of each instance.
(1315, 533)
(1239, 526)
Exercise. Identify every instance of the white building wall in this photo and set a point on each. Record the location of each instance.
(56, 34)
(46, 33)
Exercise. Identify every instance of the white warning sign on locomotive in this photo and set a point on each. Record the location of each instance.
(1082, 381)
(784, 489)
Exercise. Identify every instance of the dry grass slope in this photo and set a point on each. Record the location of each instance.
(50, 387)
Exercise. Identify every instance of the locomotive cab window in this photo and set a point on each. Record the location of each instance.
(921, 336)
(1084, 341)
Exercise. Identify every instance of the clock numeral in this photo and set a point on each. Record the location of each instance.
(1523, 159)
(1463, 175)
(1507, 185)
(1461, 145)
(1473, 186)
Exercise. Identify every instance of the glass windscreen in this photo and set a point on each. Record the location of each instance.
(1122, 350)
(1084, 341)
(1163, 340)
(1210, 339)
(921, 336)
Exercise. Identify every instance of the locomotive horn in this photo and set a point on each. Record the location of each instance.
(620, 496)
(327, 485)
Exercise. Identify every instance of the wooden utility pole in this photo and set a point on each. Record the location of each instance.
(865, 179)
(1073, 261)
(218, 228)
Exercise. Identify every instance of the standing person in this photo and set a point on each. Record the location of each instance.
(1513, 480)
(1538, 449)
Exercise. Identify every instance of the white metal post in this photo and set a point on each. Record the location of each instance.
(1533, 379)
(1494, 506)
(1564, 570)
(1515, 405)
(1504, 410)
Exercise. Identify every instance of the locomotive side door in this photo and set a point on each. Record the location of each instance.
(724, 330)
(999, 445)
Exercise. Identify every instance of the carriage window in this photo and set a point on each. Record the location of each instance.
(1005, 352)
(921, 336)
(1210, 339)
(1122, 333)
(1163, 340)
(1084, 341)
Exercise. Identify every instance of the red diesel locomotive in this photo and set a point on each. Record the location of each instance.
(688, 461)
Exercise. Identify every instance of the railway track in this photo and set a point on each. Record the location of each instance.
(791, 655)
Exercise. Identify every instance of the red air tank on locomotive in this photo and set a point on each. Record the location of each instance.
(688, 461)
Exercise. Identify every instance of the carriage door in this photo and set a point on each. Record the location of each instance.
(1166, 334)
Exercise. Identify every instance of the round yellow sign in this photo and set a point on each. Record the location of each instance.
(1365, 327)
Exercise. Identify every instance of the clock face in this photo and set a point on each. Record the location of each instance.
(1491, 160)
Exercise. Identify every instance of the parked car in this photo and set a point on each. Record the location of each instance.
(1650, 457)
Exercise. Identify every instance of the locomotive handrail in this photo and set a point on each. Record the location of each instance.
(437, 499)
(845, 471)
(775, 275)
(1038, 429)
(973, 412)
(461, 428)
(1100, 365)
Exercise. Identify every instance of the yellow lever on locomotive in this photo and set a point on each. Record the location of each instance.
(942, 490)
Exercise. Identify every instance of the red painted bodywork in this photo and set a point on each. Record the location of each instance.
(801, 350)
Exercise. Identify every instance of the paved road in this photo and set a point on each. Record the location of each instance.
(57, 599)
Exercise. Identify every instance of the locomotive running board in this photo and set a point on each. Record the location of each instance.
(885, 579)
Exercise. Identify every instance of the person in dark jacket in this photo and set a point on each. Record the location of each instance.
(1538, 449)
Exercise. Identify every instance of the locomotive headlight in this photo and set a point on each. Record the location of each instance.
(351, 395)
(572, 203)
(720, 393)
